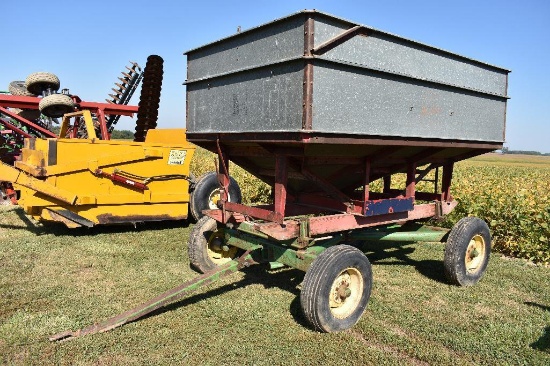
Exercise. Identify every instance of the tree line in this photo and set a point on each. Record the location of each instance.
(506, 150)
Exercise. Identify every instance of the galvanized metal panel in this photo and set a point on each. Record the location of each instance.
(374, 85)
(361, 101)
(328, 27)
(266, 45)
(390, 53)
(267, 99)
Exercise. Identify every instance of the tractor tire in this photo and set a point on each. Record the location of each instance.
(39, 82)
(18, 88)
(206, 194)
(467, 252)
(336, 289)
(28, 114)
(56, 105)
(206, 247)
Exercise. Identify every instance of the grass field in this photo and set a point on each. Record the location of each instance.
(54, 279)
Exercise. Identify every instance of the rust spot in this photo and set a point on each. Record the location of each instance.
(106, 219)
(239, 217)
(41, 172)
(430, 111)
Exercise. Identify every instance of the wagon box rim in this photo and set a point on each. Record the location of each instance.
(352, 24)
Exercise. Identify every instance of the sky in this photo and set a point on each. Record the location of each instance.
(88, 43)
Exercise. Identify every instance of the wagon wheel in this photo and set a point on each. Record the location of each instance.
(206, 194)
(19, 88)
(39, 82)
(28, 114)
(336, 288)
(207, 248)
(467, 251)
(56, 105)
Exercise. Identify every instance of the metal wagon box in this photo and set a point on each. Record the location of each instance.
(313, 72)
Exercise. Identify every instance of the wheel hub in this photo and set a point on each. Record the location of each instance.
(216, 244)
(213, 199)
(475, 253)
(218, 251)
(346, 292)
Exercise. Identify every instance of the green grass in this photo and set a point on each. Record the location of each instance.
(53, 279)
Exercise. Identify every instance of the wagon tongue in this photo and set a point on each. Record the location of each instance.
(160, 301)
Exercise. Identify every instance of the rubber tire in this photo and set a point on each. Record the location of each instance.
(317, 284)
(456, 248)
(204, 187)
(39, 82)
(28, 114)
(18, 88)
(197, 247)
(56, 105)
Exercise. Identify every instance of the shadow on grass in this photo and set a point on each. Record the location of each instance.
(392, 254)
(534, 304)
(286, 279)
(543, 343)
(29, 225)
(59, 229)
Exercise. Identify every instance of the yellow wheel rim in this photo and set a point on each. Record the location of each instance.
(475, 254)
(345, 293)
(218, 251)
(213, 199)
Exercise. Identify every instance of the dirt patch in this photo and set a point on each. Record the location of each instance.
(387, 349)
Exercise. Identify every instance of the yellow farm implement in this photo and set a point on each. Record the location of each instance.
(84, 182)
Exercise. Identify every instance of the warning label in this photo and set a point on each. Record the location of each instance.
(177, 157)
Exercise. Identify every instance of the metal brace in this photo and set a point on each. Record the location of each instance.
(303, 238)
(438, 210)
